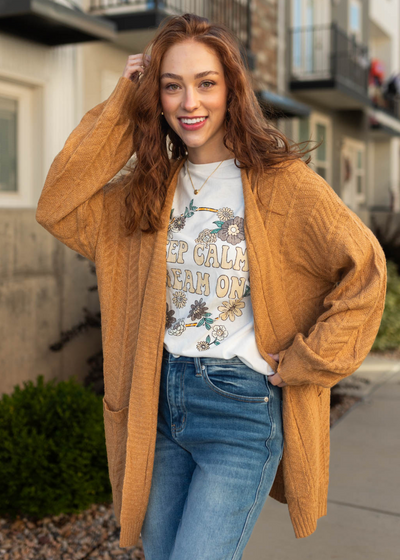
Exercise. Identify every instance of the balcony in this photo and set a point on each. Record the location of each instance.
(384, 113)
(137, 20)
(52, 24)
(329, 68)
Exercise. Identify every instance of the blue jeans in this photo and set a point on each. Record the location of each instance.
(218, 447)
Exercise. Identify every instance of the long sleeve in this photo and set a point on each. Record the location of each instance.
(346, 251)
(70, 206)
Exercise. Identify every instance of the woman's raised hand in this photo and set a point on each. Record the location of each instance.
(135, 65)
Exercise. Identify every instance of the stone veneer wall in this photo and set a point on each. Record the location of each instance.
(265, 43)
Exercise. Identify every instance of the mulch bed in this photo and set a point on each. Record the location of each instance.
(90, 534)
(94, 532)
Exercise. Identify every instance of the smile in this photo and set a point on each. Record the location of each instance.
(192, 124)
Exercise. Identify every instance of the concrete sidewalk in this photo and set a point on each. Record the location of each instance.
(363, 519)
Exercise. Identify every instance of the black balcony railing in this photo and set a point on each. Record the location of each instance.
(327, 52)
(235, 14)
(392, 105)
(384, 99)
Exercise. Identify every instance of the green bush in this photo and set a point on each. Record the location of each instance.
(52, 453)
(388, 337)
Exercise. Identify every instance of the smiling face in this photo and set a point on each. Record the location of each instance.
(192, 85)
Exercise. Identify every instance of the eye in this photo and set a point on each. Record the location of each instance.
(168, 86)
(212, 83)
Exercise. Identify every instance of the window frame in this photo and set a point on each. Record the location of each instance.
(23, 196)
(314, 119)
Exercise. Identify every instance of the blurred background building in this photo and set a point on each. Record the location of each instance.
(321, 69)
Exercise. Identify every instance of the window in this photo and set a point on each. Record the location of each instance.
(360, 175)
(8, 144)
(16, 145)
(316, 128)
(355, 24)
(303, 35)
(304, 129)
(310, 38)
(321, 159)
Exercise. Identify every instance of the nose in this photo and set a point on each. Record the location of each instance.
(189, 102)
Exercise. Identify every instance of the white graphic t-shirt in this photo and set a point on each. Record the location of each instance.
(209, 310)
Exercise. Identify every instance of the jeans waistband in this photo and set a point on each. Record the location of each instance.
(204, 359)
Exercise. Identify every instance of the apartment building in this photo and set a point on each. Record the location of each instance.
(339, 56)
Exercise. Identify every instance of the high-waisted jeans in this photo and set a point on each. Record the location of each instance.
(218, 447)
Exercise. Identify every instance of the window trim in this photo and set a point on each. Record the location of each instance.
(23, 197)
(314, 119)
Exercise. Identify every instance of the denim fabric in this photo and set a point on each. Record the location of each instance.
(219, 443)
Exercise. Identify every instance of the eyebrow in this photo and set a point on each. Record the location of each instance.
(199, 75)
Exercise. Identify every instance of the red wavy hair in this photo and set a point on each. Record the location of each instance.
(256, 143)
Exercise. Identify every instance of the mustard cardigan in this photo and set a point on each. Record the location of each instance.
(318, 286)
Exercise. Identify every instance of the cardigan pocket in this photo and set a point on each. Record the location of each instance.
(115, 428)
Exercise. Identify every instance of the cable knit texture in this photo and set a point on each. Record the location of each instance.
(318, 285)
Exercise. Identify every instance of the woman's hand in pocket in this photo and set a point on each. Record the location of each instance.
(276, 379)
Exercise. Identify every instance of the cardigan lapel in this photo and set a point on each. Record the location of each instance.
(272, 315)
(143, 401)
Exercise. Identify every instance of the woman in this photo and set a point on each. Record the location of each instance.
(214, 398)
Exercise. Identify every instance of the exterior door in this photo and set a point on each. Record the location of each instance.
(352, 160)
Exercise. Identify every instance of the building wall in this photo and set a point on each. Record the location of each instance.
(385, 14)
(381, 174)
(43, 286)
(385, 45)
(102, 64)
(264, 43)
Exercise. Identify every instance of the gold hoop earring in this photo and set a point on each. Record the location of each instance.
(162, 112)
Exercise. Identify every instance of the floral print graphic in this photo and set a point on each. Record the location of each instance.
(231, 309)
(198, 310)
(232, 230)
(178, 223)
(219, 332)
(229, 229)
(170, 320)
(247, 291)
(206, 237)
(177, 328)
(203, 344)
(179, 299)
(225, 214)
(206, 321)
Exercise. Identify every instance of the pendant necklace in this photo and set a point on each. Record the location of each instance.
(196, 191)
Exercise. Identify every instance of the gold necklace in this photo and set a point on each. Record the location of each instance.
(196, 191)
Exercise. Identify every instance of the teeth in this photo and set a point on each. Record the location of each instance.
(192, 121)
